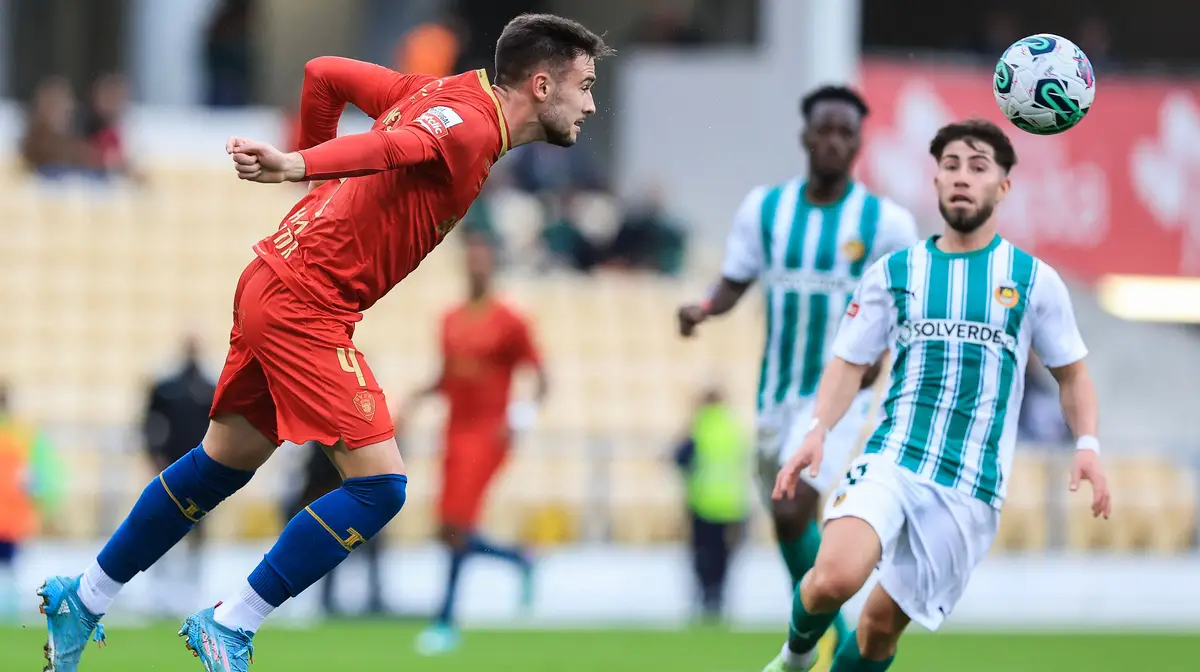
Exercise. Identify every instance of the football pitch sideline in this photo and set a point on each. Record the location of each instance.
(388, 646)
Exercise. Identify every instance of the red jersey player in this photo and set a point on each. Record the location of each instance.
(292, 372)
(483, 342)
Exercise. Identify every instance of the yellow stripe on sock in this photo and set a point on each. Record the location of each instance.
(191, 511)
(349, 543)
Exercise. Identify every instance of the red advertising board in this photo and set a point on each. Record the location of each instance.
(1119, 193)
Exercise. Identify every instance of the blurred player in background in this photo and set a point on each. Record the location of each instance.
(175, 422)
(484, 342)
(808, 241)
(923, 502)
(292, 372)
(31, 485)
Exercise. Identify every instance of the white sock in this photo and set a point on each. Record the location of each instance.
(97, 590)
(798, 661)
(246, 612)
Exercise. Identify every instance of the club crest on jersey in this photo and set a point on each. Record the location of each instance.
(364, 401)
(854, 250)
(852, 309)
(1007, 296)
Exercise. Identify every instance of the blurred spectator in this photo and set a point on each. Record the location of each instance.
(716, 462)
(30, 488)
(227, 55)
(320, 478)
(103, 130)
(175, 423)
(51, 147)
(430, 48)
(1095, 40)
(1041, 418)
(564, 242)
(670, 23)
(538, 168)
(648, 238)
(480, 223)
(1000, 29)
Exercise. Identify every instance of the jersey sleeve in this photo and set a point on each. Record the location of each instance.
(331, 82)
(435, 135)
(525, 350)
(864, 332)
(1056, 337)
(897, 229)
(743, 247)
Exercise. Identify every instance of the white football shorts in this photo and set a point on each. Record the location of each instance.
(782, 430)
(932, 536)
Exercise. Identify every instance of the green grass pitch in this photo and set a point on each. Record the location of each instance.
(387, 646)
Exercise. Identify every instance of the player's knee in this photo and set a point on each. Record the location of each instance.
(831, 586)
(878, 635)
(383, 495)
(197, 483)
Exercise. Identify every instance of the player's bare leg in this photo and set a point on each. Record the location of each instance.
(879, 629)
(849, 552)
(166, 511)
(312, 544)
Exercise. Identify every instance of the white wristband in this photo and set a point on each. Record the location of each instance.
(1088, 443)
(816, 424)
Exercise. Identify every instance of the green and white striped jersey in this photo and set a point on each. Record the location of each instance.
(809, 259)
(961, 326)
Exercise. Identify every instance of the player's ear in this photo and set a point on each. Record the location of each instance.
(1002, 191)
(542, 83)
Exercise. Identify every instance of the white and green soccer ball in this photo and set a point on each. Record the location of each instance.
(1044, 84)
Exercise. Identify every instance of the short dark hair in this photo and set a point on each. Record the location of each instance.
(531, 40)
(972, 131)
(842, 94)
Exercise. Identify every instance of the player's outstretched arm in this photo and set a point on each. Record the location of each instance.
(840, 384)
(1081, 409)
(347, 156)
(723, 299)
(330, 82)
(742, 264)
(1057, 342)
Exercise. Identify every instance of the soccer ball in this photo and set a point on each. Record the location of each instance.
(1044, 84)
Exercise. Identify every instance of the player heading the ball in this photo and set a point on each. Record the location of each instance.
(293, 372)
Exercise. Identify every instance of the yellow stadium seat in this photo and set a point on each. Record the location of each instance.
(1023, 523)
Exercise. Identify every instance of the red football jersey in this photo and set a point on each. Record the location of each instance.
(482, 346)
(394, 192)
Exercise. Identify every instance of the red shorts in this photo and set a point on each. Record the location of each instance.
(469, 463)
(293, 371)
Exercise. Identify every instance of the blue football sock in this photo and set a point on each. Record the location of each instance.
(324, 533)
(446, 616)
(169, 507)
(477, 544)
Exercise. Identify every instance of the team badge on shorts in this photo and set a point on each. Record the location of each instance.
(1007, 296)
(364, 401)
(839, 498)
